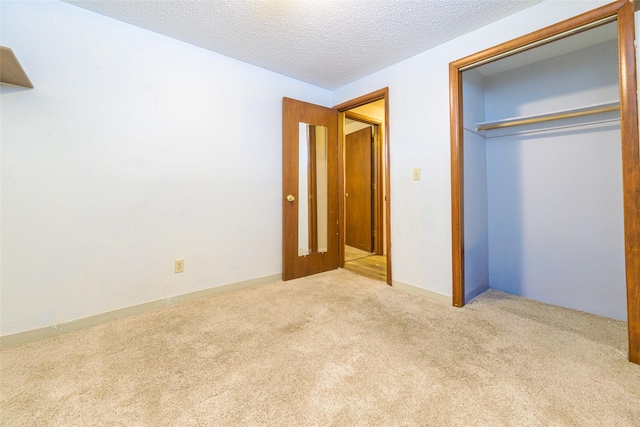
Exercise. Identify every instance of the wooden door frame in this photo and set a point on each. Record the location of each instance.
(378, 169)
(342, 108)
(623, 11)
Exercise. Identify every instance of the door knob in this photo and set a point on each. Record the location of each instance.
(290, 198)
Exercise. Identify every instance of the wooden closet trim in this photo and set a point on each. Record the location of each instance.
(365, 99)
(623, 10)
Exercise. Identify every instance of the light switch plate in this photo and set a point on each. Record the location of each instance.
(416, 174)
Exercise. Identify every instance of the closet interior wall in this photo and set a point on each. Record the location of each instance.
(543, 202)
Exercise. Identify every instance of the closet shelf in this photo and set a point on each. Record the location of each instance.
(10, 69)
(556, 115)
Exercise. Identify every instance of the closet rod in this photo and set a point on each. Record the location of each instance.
(602, 108)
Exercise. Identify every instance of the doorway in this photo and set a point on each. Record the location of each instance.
(364, 252)
(370, 115)
(314, 186)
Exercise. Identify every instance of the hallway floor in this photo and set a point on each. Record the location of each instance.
(365, 263)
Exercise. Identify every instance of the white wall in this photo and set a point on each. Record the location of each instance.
(555, 209)
(575, 79)
(476, 225)
(135, 149)
(419, 137)
(556, 231)
(132, 150)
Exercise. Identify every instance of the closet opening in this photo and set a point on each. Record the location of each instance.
(546, 168)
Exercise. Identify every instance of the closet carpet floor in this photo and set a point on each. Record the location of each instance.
(334, 349)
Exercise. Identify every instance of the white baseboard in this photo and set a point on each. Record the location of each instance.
(26, 337)
(434, 296)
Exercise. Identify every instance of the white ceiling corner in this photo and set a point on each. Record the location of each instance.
(327, 43)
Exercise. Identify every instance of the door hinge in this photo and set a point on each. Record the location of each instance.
(373, 233)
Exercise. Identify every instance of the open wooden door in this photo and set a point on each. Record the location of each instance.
(310, 189)
(359, 189)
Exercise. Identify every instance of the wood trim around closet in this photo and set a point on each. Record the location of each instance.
(623, 11)
(366, 99)
(630, 171)
(457, 184)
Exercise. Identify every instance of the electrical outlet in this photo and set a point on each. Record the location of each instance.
(178, 266)
(416, 174)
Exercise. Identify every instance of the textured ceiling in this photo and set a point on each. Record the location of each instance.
(327, 43)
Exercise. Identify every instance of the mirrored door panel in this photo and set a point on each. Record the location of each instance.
(312, 189)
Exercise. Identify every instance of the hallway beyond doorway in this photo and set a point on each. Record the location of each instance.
(365, 263)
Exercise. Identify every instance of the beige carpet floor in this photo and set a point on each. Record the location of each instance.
(334, 349)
